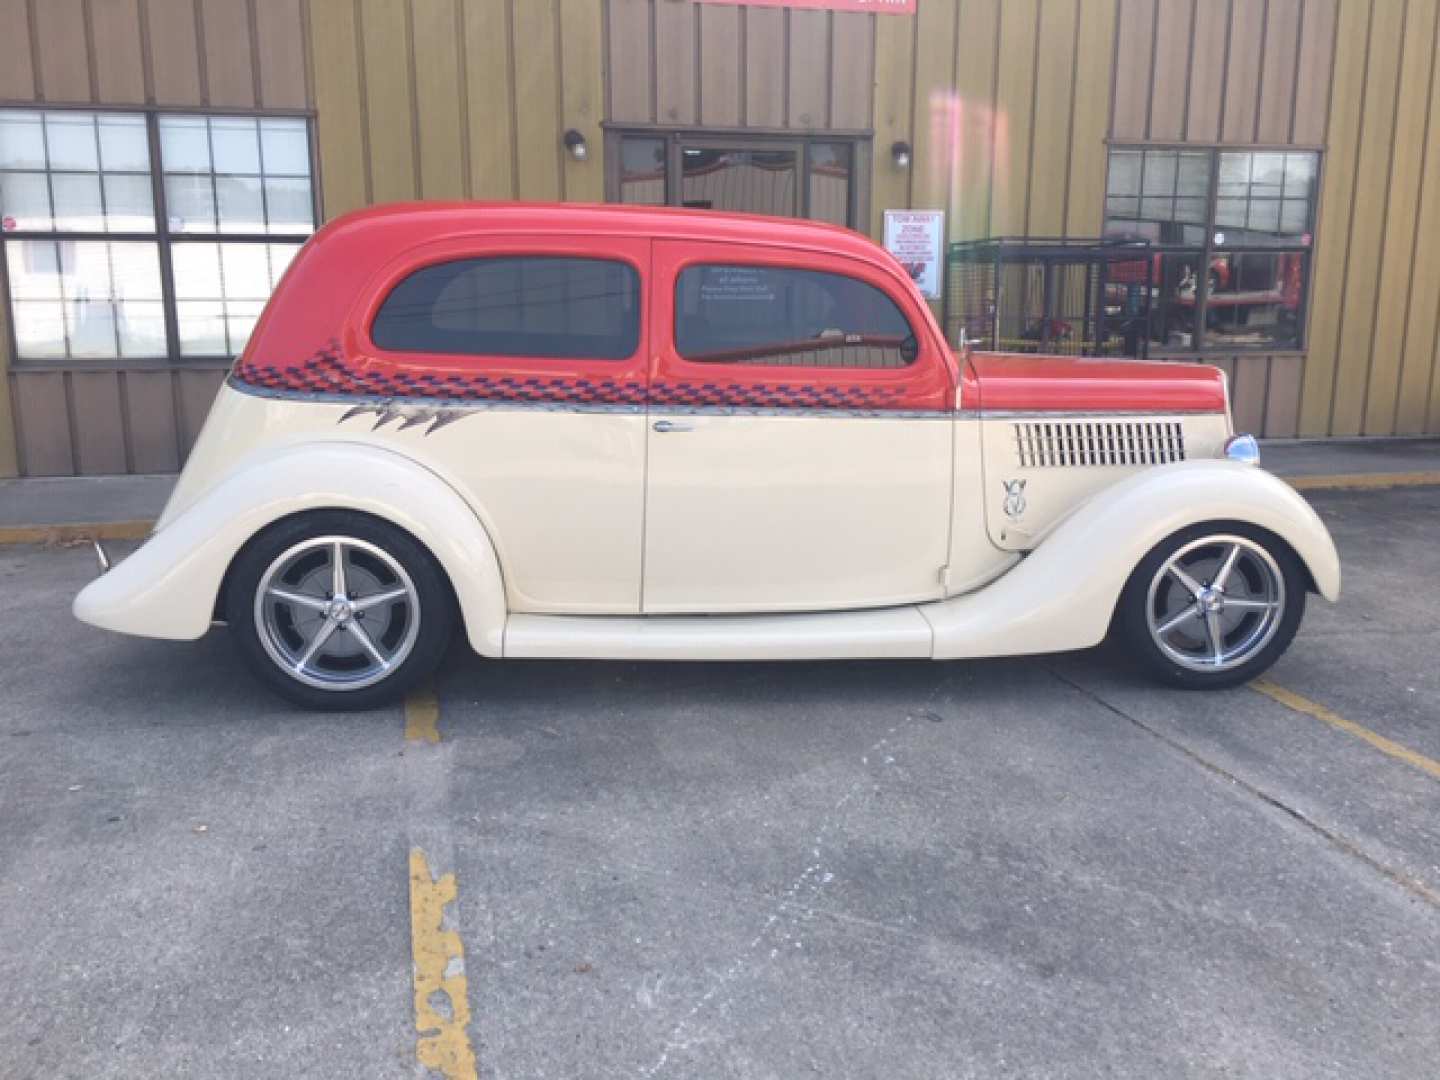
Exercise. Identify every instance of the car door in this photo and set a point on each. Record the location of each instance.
(799, 441)
(537, 345)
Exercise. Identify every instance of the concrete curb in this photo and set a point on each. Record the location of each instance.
(1363, 481)
(66, 535)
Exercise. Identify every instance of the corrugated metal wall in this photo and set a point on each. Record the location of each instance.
(1007, 103)
(123, 416)
(1238, 72)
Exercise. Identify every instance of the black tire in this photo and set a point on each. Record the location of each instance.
(384, 549)
(1139, 605)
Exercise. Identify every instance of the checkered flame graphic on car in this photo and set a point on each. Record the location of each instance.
(436, 399)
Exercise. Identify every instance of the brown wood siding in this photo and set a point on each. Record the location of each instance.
(97, 417)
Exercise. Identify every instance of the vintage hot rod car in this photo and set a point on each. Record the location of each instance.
(623, 432)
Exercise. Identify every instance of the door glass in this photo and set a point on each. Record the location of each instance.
(642, 172)
(753, 181)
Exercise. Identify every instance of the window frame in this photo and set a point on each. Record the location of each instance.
(160, 235)
(1208, 249)
(678, 138)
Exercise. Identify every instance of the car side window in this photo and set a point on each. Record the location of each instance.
(529, 305)
(772, 315)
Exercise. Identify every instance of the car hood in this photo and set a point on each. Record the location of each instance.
(1013, 382)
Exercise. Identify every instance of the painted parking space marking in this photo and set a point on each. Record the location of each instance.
(1300, 704)
(422, 716)
(442, 1002)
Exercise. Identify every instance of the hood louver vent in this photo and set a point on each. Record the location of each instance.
(1055, 444)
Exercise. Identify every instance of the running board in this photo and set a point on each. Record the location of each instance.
(889, 633)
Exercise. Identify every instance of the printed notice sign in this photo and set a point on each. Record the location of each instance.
(917, 239)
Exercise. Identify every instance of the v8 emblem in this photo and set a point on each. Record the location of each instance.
(1014, 498)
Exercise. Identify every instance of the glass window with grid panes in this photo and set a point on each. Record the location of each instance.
(147, 235)
(1232, 232)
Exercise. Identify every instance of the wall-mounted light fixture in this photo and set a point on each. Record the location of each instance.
(575, 144)
(900, 154)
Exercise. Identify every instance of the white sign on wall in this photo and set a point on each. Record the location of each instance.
(917, 239)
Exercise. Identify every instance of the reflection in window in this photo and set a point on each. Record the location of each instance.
(86, 299)
(236, 174)
(70, 171)
(830, 173)
(220, 290)
(642, 172)
(755, 181)
(776, 315)
(1233, 277)
(520, 306)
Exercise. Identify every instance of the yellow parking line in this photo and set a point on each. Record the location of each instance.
(422, 713)
(1364, 481)
(1292, 700)
(60, 535)
(442, 1002)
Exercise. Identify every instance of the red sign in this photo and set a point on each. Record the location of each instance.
(878, 7)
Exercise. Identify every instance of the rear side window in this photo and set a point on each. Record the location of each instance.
(529, 305)
(729, 314)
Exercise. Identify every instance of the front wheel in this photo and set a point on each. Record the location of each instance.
(338, 610)
(1213, 606)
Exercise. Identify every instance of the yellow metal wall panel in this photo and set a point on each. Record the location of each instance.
(1014, 113)
(972, 105)
(765, 59)
(1134, 52)
(582, 52)
(229, 53)
(490, 98)
(9, 437)
(1242, 70)
(1420, 364)
(1357, 320)
(389, 105)
(1173, 34)
(720, 93)
(1399, 251)
(280, 44)
(1332, 234)
(63, 61)
(339, 107)
(1277, 71)
(632, 86)
(675, 63)
(17, 69)
(150, 404)
(1054, 100)
(537, 105)
(43, 423)
(99, 423)
(935, 136)
(439, 98)
(894, 57)
(119, 63)
(1282, 397)
(808, 70)
(1094, 62)
(1312, 78)
(1207, 71)
(175, 50)
(852, 82)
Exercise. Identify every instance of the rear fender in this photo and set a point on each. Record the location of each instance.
(168, 588)
(1062, 596)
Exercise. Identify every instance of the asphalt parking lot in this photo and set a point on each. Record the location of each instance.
(1038, 867)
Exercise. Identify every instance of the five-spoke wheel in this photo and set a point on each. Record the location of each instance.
(337, 609)
(1214, 605)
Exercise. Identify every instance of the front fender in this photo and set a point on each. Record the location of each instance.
(168, 587)
(1062, 596)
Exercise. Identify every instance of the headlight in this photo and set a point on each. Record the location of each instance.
(1243, 448)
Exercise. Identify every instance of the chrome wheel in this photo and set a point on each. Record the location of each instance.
(1215, 603)
(337, 613)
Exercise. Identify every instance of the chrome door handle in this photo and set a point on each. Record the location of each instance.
(664, 427)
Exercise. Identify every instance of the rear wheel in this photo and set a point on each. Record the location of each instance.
(1213, 606)
(337, 610)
